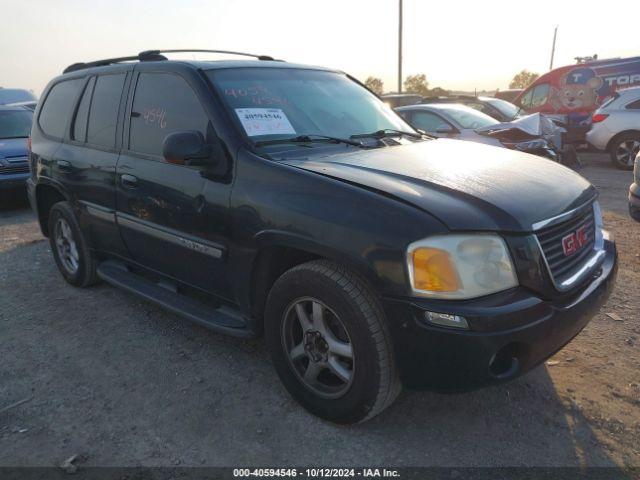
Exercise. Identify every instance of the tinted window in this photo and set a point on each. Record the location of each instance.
(15, 123)
(103, 116)
(57, 107)
(427, 121)
(79, 130)
(508, 109)
(634, 105)
(163, 104)
(540, 95)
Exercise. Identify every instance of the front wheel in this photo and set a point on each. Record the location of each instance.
(624, 149)
(330, 344)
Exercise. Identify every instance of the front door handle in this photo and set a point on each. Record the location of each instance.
(128, 181)
(63, 166)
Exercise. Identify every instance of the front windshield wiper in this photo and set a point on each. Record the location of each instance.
(309, 138)
(386, 132)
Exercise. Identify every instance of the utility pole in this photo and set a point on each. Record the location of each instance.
(553, 47)
(400, 47)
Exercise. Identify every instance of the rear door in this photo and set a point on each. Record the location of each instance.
(172, 219)
(86, 161)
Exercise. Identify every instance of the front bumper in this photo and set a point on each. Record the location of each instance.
(510, 333)
(13, 181)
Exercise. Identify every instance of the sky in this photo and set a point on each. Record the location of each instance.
(457, 44)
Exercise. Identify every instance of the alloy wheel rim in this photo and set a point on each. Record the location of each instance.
(66, 246)
(318, 347)
(627, 151)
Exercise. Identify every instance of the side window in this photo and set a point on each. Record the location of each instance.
(79, 129)
(539, 95)
(427, 121)
(633, 105)
(103, 115)
(57, 107)
(525, 100)
(163, 103)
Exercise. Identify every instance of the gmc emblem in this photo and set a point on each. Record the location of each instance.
(574, 241)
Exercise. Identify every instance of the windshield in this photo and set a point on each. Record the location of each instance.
(14, 95)
(15, 123)
(467, 117)
(272, 103)
(508, 109)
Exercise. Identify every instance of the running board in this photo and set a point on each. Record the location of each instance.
(222, 319)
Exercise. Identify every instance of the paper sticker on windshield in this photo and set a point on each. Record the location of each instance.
(264, 121)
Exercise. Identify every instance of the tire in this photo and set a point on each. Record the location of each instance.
(63, 227)
(352, 322)
(623, 150)
(634, 212)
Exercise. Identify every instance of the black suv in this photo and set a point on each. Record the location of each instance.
(258, 196)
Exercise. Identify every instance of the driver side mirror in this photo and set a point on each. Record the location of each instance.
(188, 148)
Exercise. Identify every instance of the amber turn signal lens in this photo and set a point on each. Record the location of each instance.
(434, 271)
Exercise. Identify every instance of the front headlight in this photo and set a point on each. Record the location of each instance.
(460, 266)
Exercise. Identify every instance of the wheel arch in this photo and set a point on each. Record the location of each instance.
(47, 195)
(281, 251)
(618, 135)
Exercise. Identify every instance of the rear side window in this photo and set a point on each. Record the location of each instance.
(103, 115)
(57, 107)
(163, 103)
(634, 105)
(79, 130)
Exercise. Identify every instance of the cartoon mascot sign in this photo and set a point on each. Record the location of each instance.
(577, 95)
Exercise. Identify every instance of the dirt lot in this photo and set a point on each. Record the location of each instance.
(120, 382)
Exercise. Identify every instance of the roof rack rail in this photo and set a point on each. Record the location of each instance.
(156, 55)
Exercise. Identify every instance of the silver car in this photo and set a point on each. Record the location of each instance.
(450, 120)
(616, 127)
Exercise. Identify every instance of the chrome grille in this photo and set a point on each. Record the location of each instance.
(563, 266)
(20, 168)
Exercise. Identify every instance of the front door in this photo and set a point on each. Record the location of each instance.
(168, 214)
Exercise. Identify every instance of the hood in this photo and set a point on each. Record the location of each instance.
(13, 147)
(466, 185)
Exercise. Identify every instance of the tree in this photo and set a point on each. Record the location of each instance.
(438, 92)
(523, 79)
(417, 84)
(375, 85)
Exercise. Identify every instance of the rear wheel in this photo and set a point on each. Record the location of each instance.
(623, 150)
(329, 342)
(70, 249)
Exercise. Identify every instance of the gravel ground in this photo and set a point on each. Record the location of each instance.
(119, 382)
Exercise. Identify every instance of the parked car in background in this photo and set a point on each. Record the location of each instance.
(263, 197)
(634, 191)
(615, 127)
(395, 100)
(15, 95)
(501, 110)
(30, 104)
(508, 95)
(533, 134)
(572, 93)
(15, 126)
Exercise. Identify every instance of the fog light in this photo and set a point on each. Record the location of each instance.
(446, 320)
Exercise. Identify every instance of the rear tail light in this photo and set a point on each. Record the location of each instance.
(598, 117)
(29, 144)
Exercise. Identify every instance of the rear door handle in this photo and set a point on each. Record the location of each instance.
(63, 166)
(128, 181)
